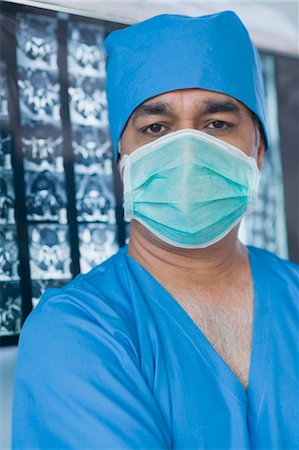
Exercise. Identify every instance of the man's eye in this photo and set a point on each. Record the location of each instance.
(154, 128)
(217, 124)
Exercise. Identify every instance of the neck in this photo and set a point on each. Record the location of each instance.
(220, 263)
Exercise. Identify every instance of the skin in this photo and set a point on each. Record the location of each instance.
(225, 118)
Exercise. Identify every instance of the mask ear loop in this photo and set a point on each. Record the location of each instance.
(119, 147)
(122, 163)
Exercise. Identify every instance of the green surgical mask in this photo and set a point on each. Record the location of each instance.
(189, 188)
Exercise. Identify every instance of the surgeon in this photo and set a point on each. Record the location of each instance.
(185, 339)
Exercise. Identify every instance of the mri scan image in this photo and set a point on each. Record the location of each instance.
(39, 96)
(10, 308)
(49, 252)
(9, 255)
(95, 199)
(85, 50)
(127, 231)
(42, 149)
(262, 225)
(97, 243)
(266, 227)
(5, 150)
(4, 115)
(46, 199)
(36, 42)
(92, 150)
(7, 198)
(87, 100)
(38, 287)
(53, 170)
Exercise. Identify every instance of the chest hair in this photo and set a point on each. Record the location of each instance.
(224, 316)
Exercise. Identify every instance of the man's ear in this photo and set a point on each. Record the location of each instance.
(260, 153)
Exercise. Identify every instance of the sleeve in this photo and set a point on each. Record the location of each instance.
(78, 383)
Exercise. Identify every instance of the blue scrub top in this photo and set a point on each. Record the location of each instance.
(111, 360)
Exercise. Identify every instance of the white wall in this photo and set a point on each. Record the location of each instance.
(273, 25)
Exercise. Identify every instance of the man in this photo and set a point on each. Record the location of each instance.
(187, 338)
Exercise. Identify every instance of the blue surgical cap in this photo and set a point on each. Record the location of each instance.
(170, 52)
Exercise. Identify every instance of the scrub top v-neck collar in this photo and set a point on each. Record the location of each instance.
(253, 398)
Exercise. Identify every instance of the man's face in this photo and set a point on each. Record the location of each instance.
(216, 114)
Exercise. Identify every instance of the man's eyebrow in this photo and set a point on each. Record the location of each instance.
(212, 107)
(157, 108)
(161, 108)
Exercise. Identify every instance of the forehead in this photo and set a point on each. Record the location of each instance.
(199, 100)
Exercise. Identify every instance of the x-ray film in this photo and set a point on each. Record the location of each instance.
(10, 308)
(49, 252)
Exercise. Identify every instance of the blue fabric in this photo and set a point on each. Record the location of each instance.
(170, 52)
(112, 361)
